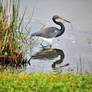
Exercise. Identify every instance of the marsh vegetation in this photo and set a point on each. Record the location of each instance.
(11, 34)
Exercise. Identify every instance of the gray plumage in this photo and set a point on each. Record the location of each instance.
(49, 32)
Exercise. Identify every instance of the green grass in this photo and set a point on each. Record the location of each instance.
(24, 82)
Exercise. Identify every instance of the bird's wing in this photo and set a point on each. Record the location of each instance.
(49, 32)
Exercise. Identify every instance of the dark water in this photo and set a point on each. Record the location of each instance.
(71, 52)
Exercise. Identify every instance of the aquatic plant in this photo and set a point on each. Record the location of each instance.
(38, 82)
(11, 33)
(89, 41)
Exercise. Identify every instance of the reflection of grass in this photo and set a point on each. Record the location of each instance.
(11, 33)
(80, 67)
(23, 82)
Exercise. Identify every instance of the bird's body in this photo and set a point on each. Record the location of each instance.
(51, 32)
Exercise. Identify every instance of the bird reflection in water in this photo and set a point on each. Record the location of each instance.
(50, 54)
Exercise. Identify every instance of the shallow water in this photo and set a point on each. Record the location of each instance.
(71, 52)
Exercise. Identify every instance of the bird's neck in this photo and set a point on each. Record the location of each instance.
(62, 29)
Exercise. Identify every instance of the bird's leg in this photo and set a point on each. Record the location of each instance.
(43, 47)
(41, 43)
(50, 46)
(50, 43)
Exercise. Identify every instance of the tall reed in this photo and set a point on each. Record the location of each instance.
(11, 33)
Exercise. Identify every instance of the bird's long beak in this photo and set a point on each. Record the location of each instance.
(64, 20)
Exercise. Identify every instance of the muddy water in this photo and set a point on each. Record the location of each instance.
(71, 52)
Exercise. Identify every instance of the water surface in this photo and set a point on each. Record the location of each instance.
(71, 51)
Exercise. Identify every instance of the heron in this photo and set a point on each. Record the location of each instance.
(48, 33)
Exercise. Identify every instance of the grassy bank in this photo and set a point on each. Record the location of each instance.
(23, 82)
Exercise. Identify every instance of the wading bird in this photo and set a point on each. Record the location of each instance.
(51, 32)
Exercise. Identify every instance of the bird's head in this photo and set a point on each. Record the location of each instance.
(57, 17)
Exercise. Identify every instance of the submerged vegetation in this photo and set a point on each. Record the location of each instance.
(37, 82)
(11, 34)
